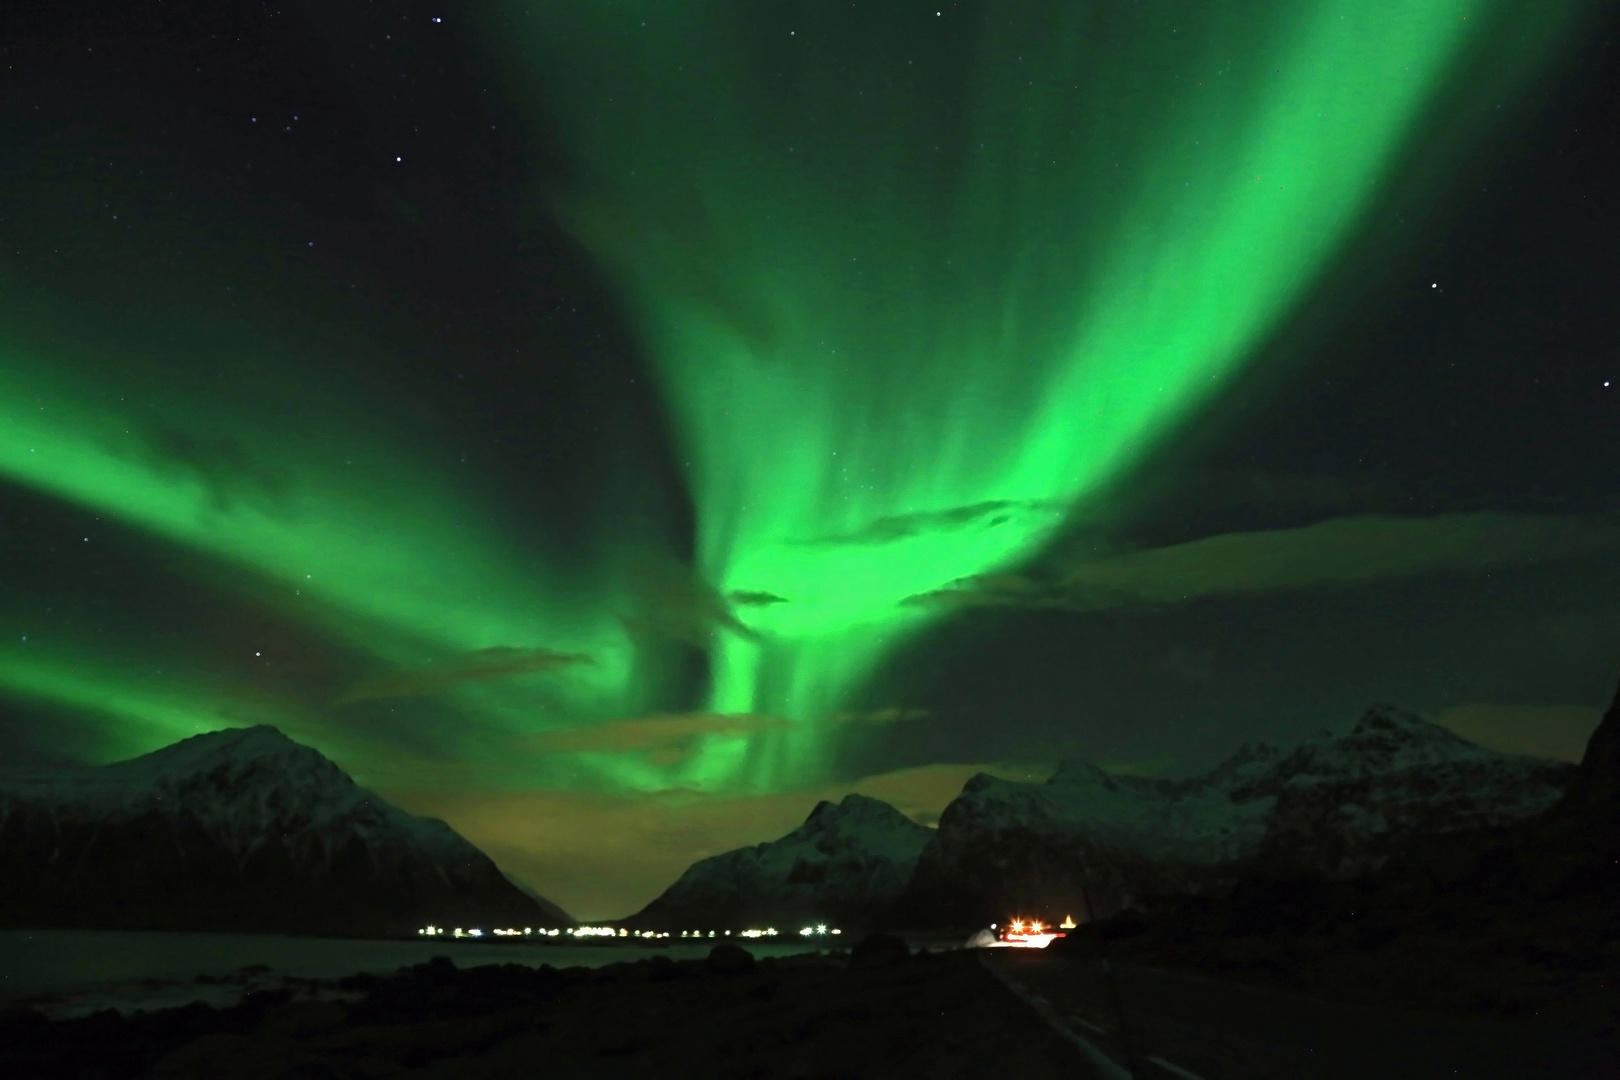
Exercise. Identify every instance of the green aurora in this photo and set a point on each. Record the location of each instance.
(920, 286)
(920, 283)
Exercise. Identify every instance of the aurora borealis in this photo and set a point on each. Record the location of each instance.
(540, 406)
(964, 295)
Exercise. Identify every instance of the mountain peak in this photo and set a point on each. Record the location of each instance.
(1078, 771)
(1384, 739)
(235, 750)
(1386, 722)
(1596, 785)
(262, 831)
(857, 807)
(848, 860)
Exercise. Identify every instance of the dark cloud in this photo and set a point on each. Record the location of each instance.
(1188, 665)
(484, 665)
(1276, 489)
(669, 737)
(1340, 551)
(993, 590)
(745, 598)
(673, 601)
(888, 530)
(221, 464)
(894, 714)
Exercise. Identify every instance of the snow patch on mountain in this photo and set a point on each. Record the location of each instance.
(246, 788)
(1333, 804)
(253, 805)
(1228, 811)
(845, 860)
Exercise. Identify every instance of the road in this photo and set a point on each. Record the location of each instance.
(1185, 1027)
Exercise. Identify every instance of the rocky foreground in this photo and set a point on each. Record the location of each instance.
(881, 1012)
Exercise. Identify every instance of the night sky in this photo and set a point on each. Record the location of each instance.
(613, 427)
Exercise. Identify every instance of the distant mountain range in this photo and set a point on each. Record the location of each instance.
(845, 865)
(240, 830)
(1515, 920)
(1335, 805)
(247, 830)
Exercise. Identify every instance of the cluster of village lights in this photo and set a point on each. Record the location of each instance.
(609, 931)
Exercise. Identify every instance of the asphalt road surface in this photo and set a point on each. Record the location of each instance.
(1184, 1027)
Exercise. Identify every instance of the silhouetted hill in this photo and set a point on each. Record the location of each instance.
(1519, 920)
(1334, 805)
(241, 830)
(844, 866)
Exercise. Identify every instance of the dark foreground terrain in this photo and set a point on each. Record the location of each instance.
(880, 1013)
(1181, 1025)
(1517, 924)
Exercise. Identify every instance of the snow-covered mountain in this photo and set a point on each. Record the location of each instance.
(1337, 805)
(238, 830)
(843, 866)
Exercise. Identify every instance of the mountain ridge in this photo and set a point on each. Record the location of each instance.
(1338, 805)
(844, 864)
(240, 829)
